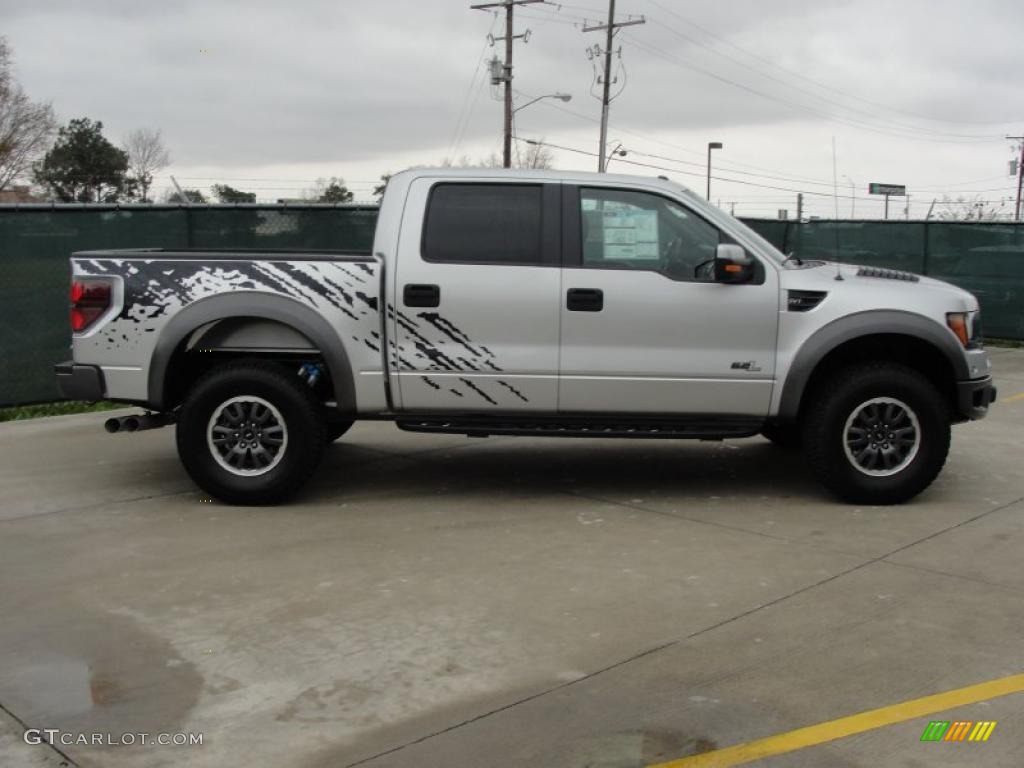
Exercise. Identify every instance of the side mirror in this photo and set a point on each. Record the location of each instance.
(733, 265)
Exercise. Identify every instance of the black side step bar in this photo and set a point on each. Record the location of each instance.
(696, 429)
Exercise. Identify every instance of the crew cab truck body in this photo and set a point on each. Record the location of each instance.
(543, 303)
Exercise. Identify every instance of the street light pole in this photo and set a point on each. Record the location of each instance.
(557, 95)
(617, 151)
(711, 145)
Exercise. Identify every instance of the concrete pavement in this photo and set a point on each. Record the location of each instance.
(444, 601)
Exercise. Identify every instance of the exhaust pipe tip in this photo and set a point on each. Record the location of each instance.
(112, 425)
(130, 423)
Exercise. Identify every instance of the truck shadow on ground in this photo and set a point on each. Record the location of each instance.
(617, 470)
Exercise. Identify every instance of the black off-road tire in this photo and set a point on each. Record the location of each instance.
(786, 437)
(338, 427)
(298, 408)
(825, 434)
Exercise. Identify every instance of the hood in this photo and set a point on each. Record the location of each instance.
(880, 286)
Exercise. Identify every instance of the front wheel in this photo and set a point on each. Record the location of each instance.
(249, 433)
(877, 434)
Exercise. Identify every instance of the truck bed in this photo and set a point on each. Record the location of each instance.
(159, 287)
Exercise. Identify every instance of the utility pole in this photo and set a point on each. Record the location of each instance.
(509, 38)
(799, 206)
(610, 28)
(1020, 174)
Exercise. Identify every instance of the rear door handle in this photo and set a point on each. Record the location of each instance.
(584, 300)
(419, 295)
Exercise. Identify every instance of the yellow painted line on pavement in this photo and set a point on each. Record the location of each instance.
(821, 733)
(1012, 398)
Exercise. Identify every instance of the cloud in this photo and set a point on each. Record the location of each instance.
(260, 83)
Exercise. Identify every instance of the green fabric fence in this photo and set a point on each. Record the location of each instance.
(35, 242)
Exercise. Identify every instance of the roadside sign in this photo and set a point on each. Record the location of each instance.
(896, 190)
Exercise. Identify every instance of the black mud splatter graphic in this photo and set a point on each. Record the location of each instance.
(513, 390)
(155, 289)
(479, 391)
(420, 345)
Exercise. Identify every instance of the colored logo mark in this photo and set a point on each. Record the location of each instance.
(958, 730)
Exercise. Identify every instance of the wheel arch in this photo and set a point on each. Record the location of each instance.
(902, 337)
(247, 324)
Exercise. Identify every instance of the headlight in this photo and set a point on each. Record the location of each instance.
(966, 326)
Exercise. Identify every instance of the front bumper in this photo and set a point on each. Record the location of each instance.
(79, 382)
(974, 397)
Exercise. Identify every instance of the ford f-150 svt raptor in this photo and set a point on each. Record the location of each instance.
(530, 303)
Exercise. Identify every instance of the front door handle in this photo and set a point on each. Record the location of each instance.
(419, 295)
(584, 300)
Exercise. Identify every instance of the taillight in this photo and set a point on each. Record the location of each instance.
(90, 298)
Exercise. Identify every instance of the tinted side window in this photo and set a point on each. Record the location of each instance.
(623, 229)
(489, 223)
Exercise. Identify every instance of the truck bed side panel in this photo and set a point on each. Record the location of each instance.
(344, 293)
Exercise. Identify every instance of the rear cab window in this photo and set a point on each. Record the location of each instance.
(486, 223)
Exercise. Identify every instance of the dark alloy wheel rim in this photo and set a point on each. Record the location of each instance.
(882, 436)
(247, 435)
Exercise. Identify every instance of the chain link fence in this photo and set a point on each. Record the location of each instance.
(35, 242)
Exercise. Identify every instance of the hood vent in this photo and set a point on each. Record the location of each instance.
(803, 301)
(887, 274)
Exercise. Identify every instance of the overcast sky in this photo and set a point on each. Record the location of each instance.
(269, 95)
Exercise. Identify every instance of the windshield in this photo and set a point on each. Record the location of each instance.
(728, 222)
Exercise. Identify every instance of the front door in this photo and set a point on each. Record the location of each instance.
(475, 310)
(644, 328)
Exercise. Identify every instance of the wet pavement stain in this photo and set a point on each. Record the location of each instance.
(637, 748)
(108, 675)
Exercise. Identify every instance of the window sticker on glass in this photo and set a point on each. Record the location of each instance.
(630, 233)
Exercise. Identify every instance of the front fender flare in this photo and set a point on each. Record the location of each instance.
(849, 327)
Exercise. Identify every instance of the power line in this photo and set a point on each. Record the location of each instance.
(463, 115)
(815, 82)
(759, 71)
(837, 118)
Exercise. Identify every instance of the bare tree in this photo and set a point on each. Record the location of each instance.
(971, 209)
(26, 127)
(147, 156)
(537, 156)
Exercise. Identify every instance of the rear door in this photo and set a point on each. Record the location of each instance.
(644, 328)
(476, 306)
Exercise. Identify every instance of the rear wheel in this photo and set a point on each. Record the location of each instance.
(877, 434)
(248, 433)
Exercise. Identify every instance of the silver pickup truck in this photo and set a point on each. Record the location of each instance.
(530, 303)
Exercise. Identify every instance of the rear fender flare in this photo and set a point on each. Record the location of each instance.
(279, 309)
